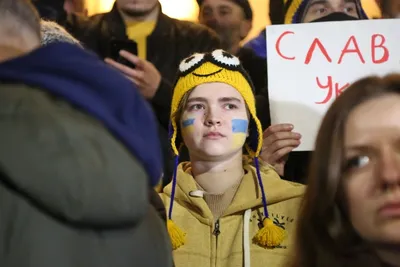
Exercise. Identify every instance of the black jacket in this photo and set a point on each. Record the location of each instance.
(171, 41)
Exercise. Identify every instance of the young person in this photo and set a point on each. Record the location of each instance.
(225, 212)
(351, 213)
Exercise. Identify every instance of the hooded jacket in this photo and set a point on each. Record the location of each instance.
(72, 192)
(79, 77)
(228, 242)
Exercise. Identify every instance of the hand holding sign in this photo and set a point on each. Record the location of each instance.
(312, 63)
(279, 141)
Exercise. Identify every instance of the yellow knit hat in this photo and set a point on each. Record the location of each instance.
(219, 66)
(291, 10)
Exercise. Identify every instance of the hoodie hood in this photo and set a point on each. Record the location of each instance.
(248, 195)
(83, 80)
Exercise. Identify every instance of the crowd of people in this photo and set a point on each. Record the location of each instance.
(130, 138)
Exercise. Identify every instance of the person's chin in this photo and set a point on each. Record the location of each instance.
(135, 10)
(215, 150)
(390, 233)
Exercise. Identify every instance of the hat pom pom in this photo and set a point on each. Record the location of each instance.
(270, 235)
(177, 236)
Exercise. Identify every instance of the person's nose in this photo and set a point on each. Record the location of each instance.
(212, 118)
(389, 169)
(212, 21)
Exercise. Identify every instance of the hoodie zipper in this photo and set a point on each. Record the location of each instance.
(216, 233)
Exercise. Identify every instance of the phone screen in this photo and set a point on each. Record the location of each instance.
(128, 45)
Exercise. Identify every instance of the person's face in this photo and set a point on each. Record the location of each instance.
(214, 122)
(372, 175)
(227, 19)
(320, 8)
(137, 7)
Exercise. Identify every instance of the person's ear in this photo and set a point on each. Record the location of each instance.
(245, 28)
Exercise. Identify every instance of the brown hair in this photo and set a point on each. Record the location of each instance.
(17, 16)
(325, 236)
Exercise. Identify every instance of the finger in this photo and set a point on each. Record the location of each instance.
(280, 154)
(278, 145)
(136, 82)
(281, 136)
(139, 63)
(138, 75)
(121, 67)
(283, 127)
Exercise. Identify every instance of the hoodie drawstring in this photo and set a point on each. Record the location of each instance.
(246, 237)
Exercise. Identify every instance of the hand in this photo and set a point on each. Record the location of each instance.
(145, 75)
(279, 141)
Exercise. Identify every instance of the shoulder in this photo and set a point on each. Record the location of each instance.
(42, 108)
(25, 96)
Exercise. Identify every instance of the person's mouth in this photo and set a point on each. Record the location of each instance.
(390, 209)
(213, 135)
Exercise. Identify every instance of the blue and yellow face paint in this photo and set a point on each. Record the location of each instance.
(187, 126)
(239, 130)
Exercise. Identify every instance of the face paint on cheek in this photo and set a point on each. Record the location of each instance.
(239, 130)
(187, 126)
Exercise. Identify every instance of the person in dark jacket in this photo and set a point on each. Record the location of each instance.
(154, 45)
(232, 20)
(75, 167)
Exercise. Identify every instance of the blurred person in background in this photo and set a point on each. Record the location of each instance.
(232, 20)
(75, 168)
(351, 210)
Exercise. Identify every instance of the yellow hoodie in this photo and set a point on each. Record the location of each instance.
(231, 245)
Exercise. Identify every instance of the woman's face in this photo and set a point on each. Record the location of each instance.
(372, 175)
(214, 122)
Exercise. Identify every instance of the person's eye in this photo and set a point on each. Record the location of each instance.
(350, 8)
(230, 106)
(195, 107)
(224, 12)
(318, 9)
(356, 162)
(321, 11)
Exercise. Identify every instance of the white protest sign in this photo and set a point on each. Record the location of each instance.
(309, 65)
